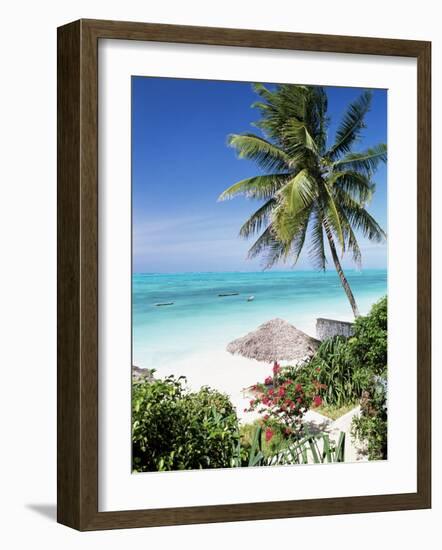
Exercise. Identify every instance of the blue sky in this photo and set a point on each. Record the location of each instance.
(181, 163)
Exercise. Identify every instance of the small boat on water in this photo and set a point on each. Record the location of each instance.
(250, 298)
(164, 304)
(228, 294)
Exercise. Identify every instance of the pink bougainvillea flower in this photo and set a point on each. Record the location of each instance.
(276, 368)
(271, 392)
(298, 387)
(268, 381)
(252, 402)
(268, 434)
(317, 401)
(281, 391)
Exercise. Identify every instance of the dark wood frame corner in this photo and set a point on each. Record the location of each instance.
(77, 224)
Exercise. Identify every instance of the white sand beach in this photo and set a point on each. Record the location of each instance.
(222, 371)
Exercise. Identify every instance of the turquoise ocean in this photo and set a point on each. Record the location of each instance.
(201, 321)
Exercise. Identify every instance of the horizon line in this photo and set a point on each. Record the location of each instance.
(351, 270)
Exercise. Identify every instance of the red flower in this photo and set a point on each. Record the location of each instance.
(281, 392)
(276, 368)
(266, 417)
(265, 400)
(269, 434)
(252, 402)
(298, 387)
(317, 401)
(271, 392)
(299, 400)
(268, 381)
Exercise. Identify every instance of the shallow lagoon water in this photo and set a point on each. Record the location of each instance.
(200, 321)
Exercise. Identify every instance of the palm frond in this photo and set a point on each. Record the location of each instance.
(316, 249)
(263, 152)
(359, 218)
(366, 161)
(255, 222)
(290, 228)
(257, 187)
(297, 137)
(273, 249)
(299, 235)
(356, 184)
(285, 103)
(298, 192)
(331, 214)
(352, 244)
(351, 125)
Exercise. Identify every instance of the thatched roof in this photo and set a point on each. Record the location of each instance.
(276, 340)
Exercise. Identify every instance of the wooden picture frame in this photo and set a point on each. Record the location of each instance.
(78, 274)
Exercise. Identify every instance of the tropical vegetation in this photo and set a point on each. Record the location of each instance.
(343, 373)
(283, 399)
(311, 191)
(174, 428)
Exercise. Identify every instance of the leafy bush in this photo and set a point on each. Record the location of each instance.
(342, 377)
(368, 346)
(346, 366)
(371, 426)
(174, 429)
(284, 398)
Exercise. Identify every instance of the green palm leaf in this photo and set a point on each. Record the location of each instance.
(298, 137)
(365, 162)
(265, 154)
(359, 218)
(317, 250)
(331, 214)
(357, 185)
(299, 192)
(351, 125)
(254, 224)
(273, 249)
(257, 187)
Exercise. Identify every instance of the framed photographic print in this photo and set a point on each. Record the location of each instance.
(243, 275)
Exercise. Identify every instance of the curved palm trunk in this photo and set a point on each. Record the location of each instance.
(338, 267)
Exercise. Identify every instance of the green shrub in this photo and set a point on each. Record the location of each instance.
(175, 429)
(368, 346)
(335, 368)
(285, 399)
(346, 366)
(371, 426)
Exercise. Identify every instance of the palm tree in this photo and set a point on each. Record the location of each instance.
(310, 191)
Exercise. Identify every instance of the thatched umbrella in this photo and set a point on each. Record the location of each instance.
(275, 340)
